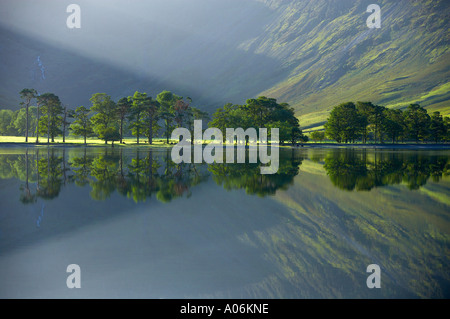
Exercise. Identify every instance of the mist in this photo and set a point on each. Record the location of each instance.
(194, 45)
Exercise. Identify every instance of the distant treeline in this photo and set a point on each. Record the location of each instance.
(139, 115)
(364, 121)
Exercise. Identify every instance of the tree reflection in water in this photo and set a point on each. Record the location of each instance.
(249, 177)
(363, 170)
(140, 173)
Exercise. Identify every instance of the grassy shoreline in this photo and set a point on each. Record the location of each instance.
(18, 141)
(429, 146)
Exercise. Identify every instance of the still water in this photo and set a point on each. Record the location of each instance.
(140, 226)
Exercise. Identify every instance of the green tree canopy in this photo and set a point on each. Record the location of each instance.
(151, 117)
(437, 129)
(318, 136)
(258, 113)
(105, 115)
(27, 95)
(393, 124)
(123, 109)
(139, 103)
(52, 109)
(345, 124)
(6, 123)
(417, 122)
(82, 126)
(20, 122)
(167, 100)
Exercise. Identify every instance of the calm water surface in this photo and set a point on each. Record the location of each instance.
(140, 226)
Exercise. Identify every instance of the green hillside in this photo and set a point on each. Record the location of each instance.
(310, 54)
(334, 57)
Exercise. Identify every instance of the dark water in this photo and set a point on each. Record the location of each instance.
(140, 226)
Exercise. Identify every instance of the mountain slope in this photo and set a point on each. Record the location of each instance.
(311, 54)
(333, 57)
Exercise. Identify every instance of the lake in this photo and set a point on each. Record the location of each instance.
(140, 226)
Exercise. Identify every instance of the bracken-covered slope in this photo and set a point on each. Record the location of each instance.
(334, 57)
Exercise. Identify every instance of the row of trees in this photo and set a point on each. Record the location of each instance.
(257, 113)
(364, 121)
(142, 116)
(13, 123)
(45, 118)
(106, 119)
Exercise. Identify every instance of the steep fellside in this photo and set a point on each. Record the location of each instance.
(334, 57)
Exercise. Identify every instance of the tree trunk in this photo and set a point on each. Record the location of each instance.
(48, 128)
(167, 133)
(121, 130)
(64, 124)
(48, 125)
(37, 126)
(26, 132)
(376, 133)
(138, 118)
(150, 132)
